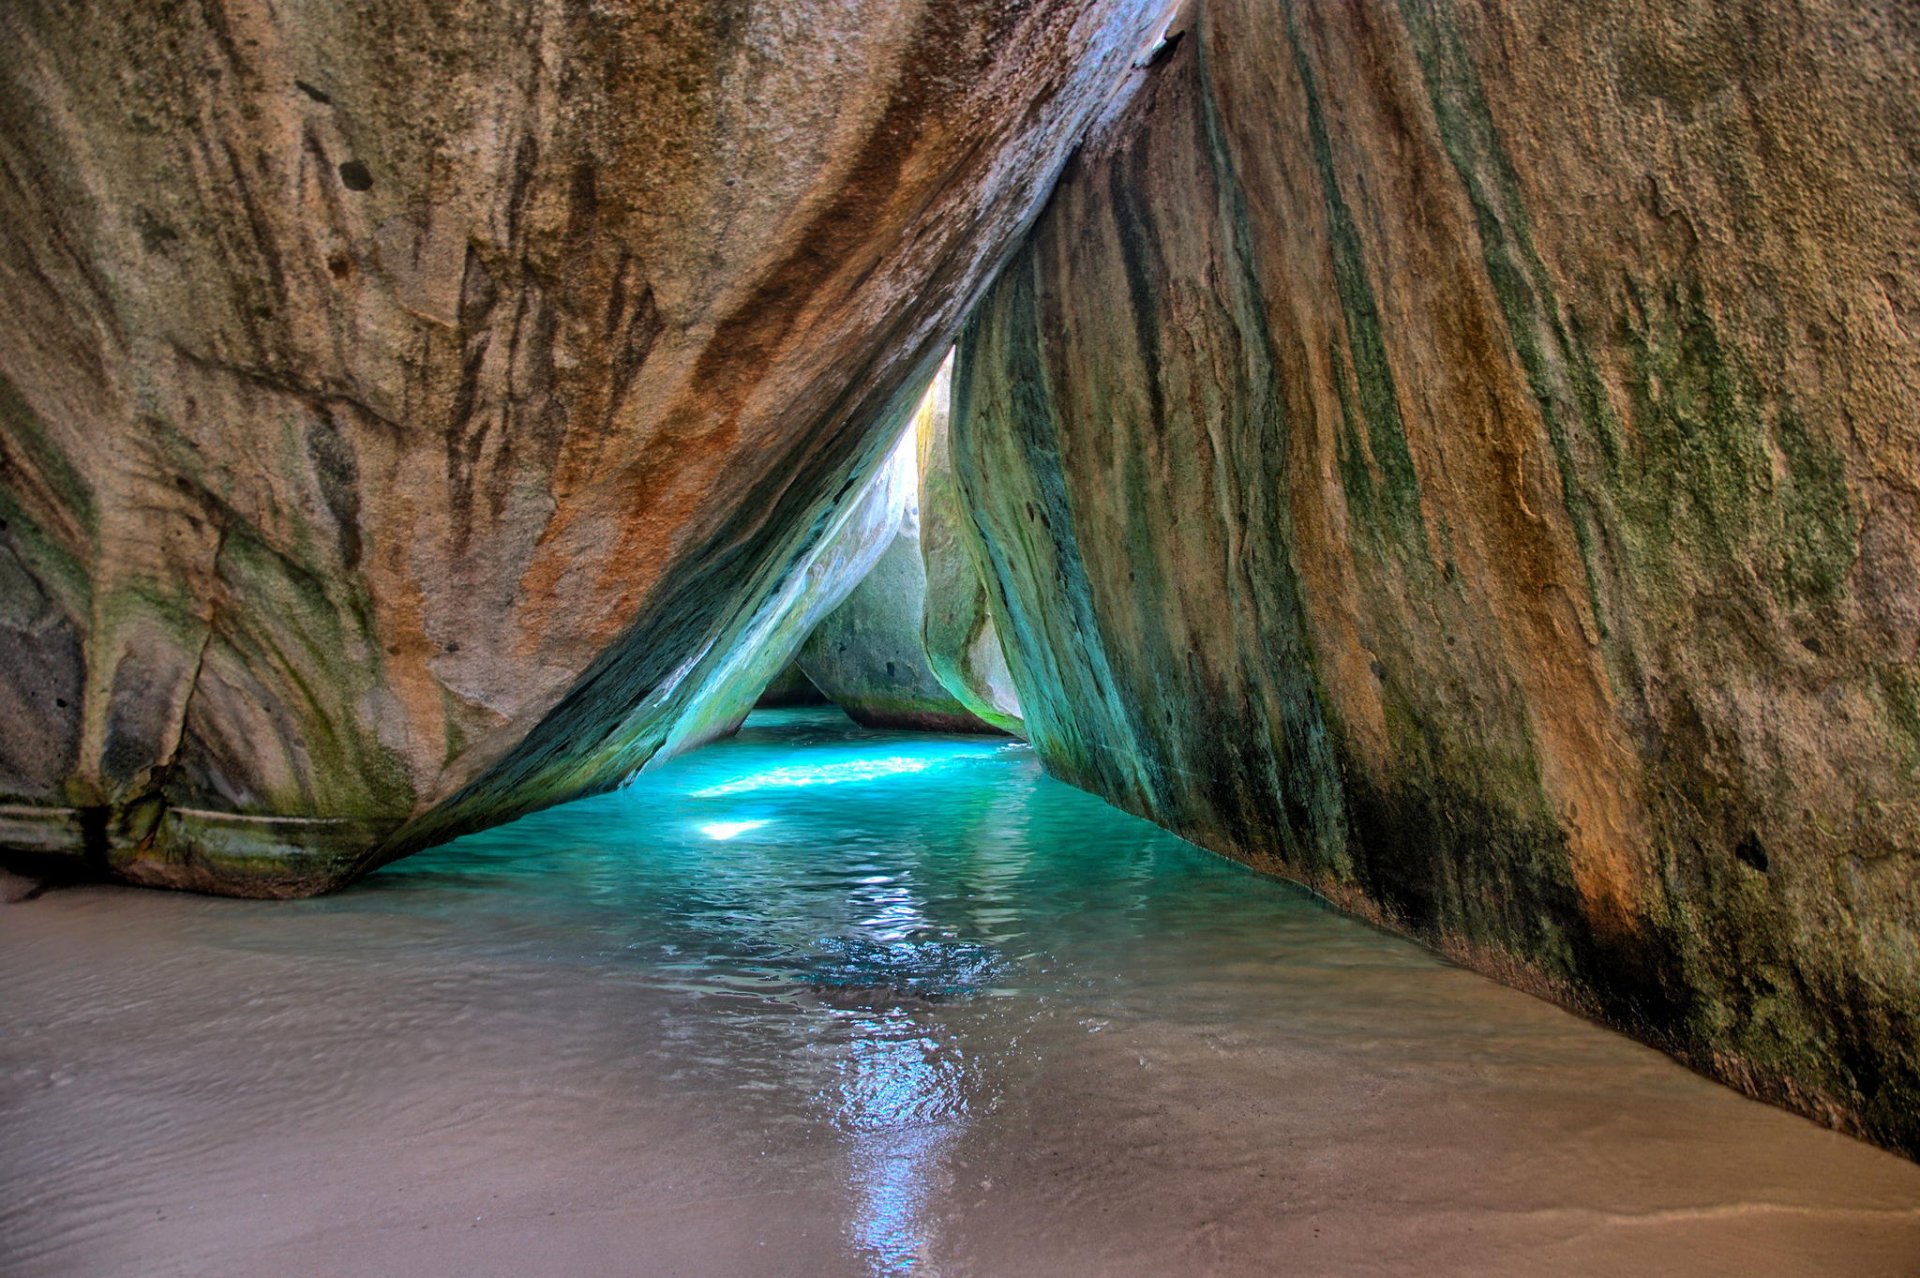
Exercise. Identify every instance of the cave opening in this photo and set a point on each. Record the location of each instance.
(902, 635)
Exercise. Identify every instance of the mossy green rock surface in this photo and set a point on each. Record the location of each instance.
(1463, 456)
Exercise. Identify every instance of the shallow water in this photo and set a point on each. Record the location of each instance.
(822, 1000)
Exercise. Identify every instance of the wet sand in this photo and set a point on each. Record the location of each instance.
(929, 1013)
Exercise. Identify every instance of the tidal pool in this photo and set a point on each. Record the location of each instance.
(818, 1000)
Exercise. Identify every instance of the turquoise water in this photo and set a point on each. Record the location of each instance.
(808, 854)
(819, 1000)
(860, 925)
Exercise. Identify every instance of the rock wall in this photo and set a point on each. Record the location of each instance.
(868, 656)
(406, 409)
(865, 529)
(962, 647)
(1461, 455)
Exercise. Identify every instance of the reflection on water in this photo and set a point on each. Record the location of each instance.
(843, 911)
(859, 921)
(902, 1100)
(817, 999)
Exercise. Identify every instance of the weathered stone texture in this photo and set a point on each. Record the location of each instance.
(406, 409)
(869, 655)
(962, 648)
(1462, 456)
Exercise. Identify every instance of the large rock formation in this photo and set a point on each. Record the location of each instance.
(790, 687)
(962, 647)
(868, 656)
(1463, 456)
(407, 409)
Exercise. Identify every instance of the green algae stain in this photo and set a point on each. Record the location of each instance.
(1899, 688)
(1817, 539)
(1699, 460)
(1392, 509)
(1459, 839)
(63, 576)
(21, 429)
(1035, 432)
(1356, 477)
(1560, 371)
(321, 660)
(1706, 503)
(29, 459)
(1694, 485)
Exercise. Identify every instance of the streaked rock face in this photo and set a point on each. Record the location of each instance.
(406, 410)
(962, 647)
(1463, 456)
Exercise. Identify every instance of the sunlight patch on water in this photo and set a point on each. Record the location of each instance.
(724, 830)
(803, 775)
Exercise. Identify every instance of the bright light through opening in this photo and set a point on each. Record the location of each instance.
(729, 829)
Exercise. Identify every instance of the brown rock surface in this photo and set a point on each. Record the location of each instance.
(406, 409)
(1462, 456)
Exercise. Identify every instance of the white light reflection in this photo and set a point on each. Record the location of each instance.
(903, 1102)
(729, 829)
(903, 1093)
(819, 774)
